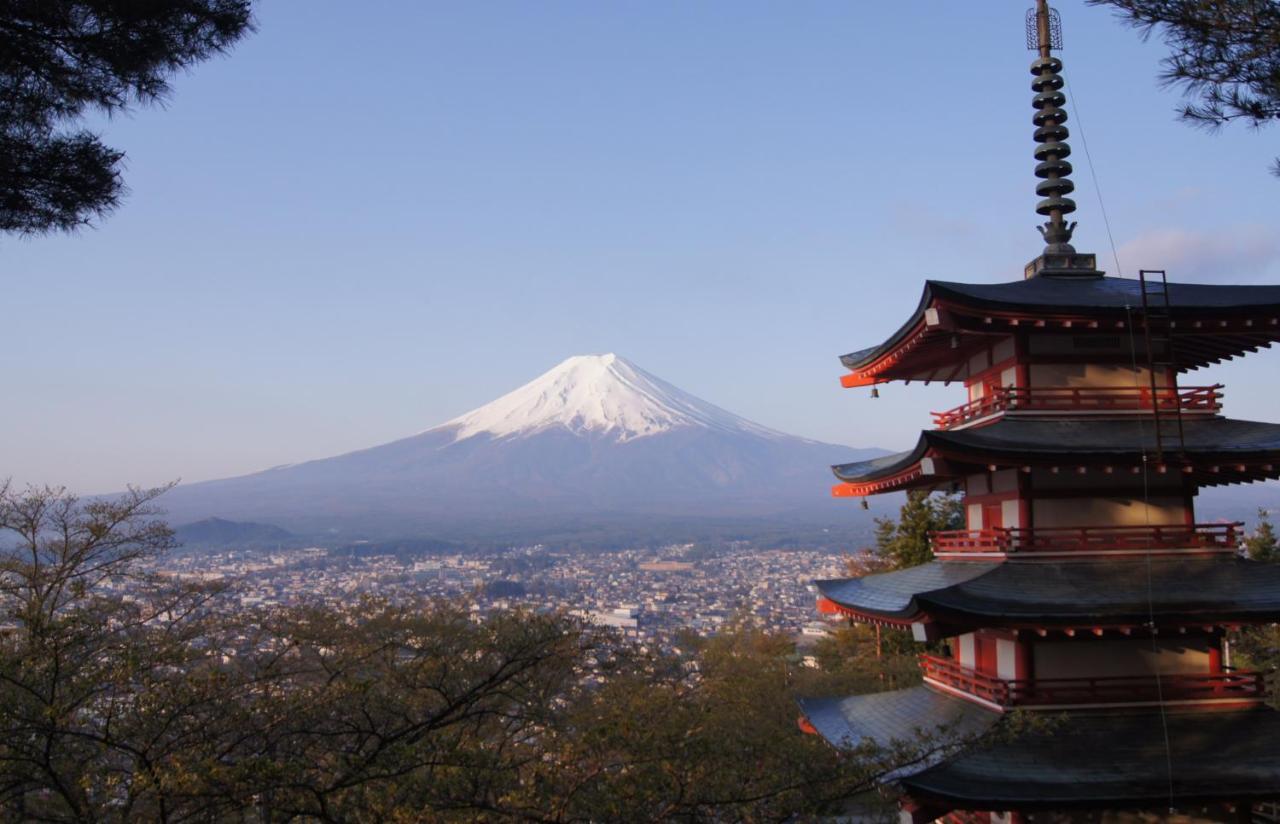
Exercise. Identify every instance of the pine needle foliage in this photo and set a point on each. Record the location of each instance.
(1225, 56)
(905, 542)
(63, 59)
(1263, 545)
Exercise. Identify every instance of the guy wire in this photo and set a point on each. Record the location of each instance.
(1146, 505)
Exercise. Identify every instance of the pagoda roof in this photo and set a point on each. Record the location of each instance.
(1090, 759)
(1208, 444)
(900, 716)
(1239, 319)
(1115, 760)
(1104, 294)
(1113, 592)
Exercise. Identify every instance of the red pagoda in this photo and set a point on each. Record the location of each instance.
(1083, 586)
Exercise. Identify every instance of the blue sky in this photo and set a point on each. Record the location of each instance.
(369, 218)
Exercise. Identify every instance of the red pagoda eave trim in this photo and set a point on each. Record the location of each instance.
(826, 606)
(957, 623)
(855, 379)
(1255, 331)
(861, 490)
(870, 374)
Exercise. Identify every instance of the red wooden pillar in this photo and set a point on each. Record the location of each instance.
(1024, 500)
(1022, 658)
(1215, 654)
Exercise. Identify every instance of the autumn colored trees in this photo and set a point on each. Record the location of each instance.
(126, 695)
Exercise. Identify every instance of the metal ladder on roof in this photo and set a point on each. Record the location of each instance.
(1157, 331)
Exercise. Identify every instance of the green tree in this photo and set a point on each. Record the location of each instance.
(1258, 648)
(858, 658)
(1225, 55)
(1262, 545)
(888, 655)
(61, 59)
(905, 542)
(710, 736)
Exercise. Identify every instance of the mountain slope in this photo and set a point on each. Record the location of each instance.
(596, 440)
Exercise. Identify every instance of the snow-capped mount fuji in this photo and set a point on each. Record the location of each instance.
(594, 445)
(598, 394)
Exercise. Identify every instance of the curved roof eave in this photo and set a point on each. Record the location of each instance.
(859, 359)
(1074, 592)
(893, 594)
(1067, 440)
(899, 716)
(1216, 755)
(881, 467)
(1105, 296)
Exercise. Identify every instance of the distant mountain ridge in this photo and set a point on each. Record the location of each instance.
(596, 443)
(221, 532)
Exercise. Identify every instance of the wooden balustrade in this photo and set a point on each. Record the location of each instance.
(1028, 692)
(949, 672)
(1082, 399)
(1163, 537)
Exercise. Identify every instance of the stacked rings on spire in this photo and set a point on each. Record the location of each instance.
(1051, 134)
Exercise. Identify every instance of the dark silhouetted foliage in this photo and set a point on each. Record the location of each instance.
(1225, 55)
(61, 59)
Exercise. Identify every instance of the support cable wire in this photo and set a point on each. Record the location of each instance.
(1073, 102)
(1146, 506)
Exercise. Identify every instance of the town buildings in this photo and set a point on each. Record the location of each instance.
(651, 596)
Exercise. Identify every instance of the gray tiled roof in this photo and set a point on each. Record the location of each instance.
(899, 716)
(1111, 759)
(893, 594)
(1213, 435)
(1092, 296)
(1104, 293)
(1205, 438)
(1110, 591)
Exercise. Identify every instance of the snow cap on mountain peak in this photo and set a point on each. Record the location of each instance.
(602, 394)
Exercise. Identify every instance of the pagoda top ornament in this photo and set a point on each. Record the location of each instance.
(1059, 258)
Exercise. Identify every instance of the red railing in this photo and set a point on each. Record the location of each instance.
(1125, 689)
(1082, 399)
(1215, 537)
(949, 672)
(1027, 692)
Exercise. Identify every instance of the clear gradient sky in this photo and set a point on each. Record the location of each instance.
(371, 217)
